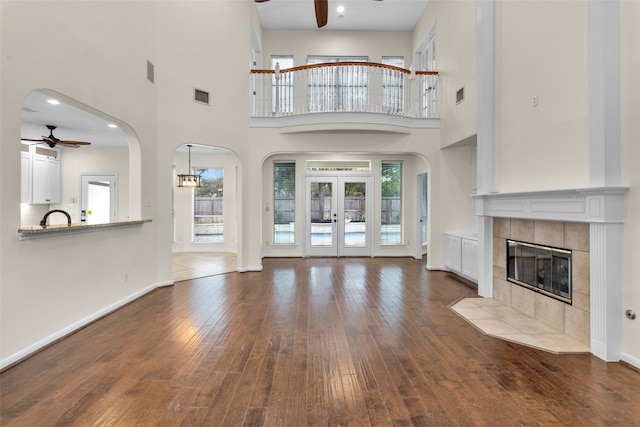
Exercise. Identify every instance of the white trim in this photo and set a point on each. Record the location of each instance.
(34, 348)
(605, 205)
(345, 121)
(249, 269)
(634, 361)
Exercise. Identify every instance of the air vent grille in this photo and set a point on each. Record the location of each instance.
(460, 95)
(201, 96)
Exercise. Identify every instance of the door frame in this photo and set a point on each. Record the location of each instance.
(112, 178)
(338, 248)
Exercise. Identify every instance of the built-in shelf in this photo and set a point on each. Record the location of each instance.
(37, 231)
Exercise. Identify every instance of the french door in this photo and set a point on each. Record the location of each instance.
(338, 215)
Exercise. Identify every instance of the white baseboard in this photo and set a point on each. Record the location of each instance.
(23, 354)
(634, 361)
(248, 269)
(436, 267)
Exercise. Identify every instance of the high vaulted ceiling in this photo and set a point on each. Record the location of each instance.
(374, 15)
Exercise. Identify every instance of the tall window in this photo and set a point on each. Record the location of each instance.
(392, 85)
(391, 177)
(208, 207)
(282, 89)
(284, 202)
(337, 88)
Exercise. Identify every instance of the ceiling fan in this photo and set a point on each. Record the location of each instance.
(322, 11)
(52, 141)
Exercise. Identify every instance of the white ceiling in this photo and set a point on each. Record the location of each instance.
(73, 124)
(376, 15)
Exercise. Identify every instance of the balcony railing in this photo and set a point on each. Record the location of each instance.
(363, 87)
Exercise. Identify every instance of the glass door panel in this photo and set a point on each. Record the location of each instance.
(338, 216)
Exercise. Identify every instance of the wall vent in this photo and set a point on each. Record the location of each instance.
(201, 96)
(460, 95)
(151, 73)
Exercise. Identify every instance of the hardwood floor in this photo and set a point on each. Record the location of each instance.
(349, 341)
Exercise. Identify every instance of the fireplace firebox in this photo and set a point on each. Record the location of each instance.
(540, 268)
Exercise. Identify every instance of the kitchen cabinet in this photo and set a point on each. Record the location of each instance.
(41, 176)
(25, 177)
(461, 255)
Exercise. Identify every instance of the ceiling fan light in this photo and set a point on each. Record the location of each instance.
(53, 101)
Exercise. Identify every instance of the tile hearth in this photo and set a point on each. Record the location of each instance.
(498, 320)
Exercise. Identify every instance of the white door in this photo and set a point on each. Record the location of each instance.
(98, 199)
(338, 215)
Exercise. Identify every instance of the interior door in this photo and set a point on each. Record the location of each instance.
(338, 215)
(98, 199)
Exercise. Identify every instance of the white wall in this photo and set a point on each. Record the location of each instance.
(630, 22)
(455, 28)
(372, 44)
(96, 54)
(541, 51)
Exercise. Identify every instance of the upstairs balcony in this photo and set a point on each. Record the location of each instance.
(338, 93)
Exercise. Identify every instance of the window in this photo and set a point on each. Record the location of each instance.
(284, 202)
(391, 221)
(337, 88)
(392, 85)
(208, 207)
(282, 89)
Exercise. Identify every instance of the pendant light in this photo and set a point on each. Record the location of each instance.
(188, 180)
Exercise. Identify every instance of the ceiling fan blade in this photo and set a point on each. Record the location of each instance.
(74, 143)
(68, 144)
(322, 11)
(260, 1)
(29, 139)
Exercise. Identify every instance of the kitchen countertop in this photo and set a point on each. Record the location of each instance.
(32, 231)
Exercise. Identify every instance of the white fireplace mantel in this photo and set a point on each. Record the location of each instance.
(600, 205)
(603, 209)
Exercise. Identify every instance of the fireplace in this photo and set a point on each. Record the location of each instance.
(540, 268)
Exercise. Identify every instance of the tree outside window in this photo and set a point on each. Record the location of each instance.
(391, 191)
(208, 206)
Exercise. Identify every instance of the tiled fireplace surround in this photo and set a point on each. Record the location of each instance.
(589, 222)
(572, 319)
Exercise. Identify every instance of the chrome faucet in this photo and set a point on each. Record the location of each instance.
(43, 223)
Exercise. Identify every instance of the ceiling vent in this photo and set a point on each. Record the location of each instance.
(201, 96)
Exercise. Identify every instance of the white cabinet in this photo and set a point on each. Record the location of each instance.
(461, 255)
(41, 176)
(25, 177)
(452, 252)
(470, 259)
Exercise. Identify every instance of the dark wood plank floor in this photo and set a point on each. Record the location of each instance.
(314, 342)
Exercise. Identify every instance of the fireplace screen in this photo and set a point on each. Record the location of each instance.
(540, 268)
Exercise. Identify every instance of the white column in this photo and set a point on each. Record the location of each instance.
(605, 170)
(486, 32)
(606, 290)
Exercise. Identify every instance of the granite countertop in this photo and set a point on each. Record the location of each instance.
(64, 228)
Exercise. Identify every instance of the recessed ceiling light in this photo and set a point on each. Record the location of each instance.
(111, 125)
(340, 9)
(53, 101)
